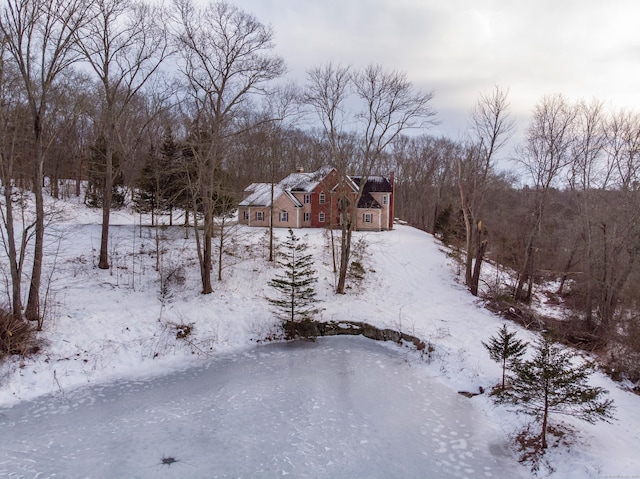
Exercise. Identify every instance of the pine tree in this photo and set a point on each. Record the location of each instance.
(551, 383)
(159, 182)
(505, 349)
(294, 284)
(97, 167)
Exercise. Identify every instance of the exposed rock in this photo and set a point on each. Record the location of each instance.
(310, 328)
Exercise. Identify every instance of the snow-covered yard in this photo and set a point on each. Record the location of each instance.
(340, 407)
(104, 326)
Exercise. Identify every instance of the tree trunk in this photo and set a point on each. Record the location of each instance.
(545, 416)
(221, 247)
(467, 228)
(32, 311)
(567, 268)
(345, 253)
(524, 289)
(16, 270)
(271, 224)
(481, 248)
(333, 250)
(526, 275)
(207, 256)
(107, 187)
(79, 180)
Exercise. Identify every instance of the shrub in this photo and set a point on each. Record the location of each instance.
(16, 335)
(356, 271)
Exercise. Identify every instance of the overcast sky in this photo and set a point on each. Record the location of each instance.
(460, 48)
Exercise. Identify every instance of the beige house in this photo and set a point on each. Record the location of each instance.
(309, 200)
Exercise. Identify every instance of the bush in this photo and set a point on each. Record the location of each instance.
(356, 271)
(16, 335)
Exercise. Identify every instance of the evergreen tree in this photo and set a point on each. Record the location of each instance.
(160, 183)
(443, 224)
(294, 284)
(97, 167)
(505, 349)
(551, 383)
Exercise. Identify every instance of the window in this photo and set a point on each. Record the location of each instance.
(307, 199)
(322, 198)
(259, 216)
(321, 217)
(307, 217)
(284, 216)
(246, 215)
(385, 200)
(367, 217)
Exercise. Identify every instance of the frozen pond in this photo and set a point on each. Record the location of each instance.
(342, 407)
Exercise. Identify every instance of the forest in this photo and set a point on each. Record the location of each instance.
(176, 109)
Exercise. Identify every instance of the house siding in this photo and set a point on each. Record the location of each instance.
(306, 208)
(329, 207)
(284, 203)
(376, 223)
(378, 204)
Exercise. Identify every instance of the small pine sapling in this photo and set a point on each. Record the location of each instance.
(505, 349)
(294, 284)
(550, 382)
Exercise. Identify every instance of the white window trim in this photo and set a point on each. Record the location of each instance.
(284, 216)
(322, 198)
(321, 217)
(367, 218)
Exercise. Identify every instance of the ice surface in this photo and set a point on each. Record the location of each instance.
(338, 407)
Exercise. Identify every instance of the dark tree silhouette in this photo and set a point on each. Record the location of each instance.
(505, 349)
(294, 284)
(550, 382)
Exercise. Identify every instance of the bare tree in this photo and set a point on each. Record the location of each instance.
(227, 59)
(125, 44)
(40, 37)
(327, 92)
(545, 155)
(623, 148)
(13, 123)
(389, 104)
(492, 127)
(588, 172)
(425, 181)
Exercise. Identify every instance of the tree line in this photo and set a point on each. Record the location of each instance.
(180, 107)
(566, 213)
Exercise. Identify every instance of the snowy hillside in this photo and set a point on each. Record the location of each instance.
(120, 323)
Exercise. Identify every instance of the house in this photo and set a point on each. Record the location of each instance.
(310, 200)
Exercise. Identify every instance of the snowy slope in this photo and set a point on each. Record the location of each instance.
(105, 325)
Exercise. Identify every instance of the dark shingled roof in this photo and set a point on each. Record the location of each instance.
(375, 184)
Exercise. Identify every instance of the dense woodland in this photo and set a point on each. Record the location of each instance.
(179, 108)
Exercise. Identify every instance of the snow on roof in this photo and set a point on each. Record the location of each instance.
(299, 182)
(305, 181)
(260, 193)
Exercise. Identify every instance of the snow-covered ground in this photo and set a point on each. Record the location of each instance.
(103, 326)
(340, 407)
